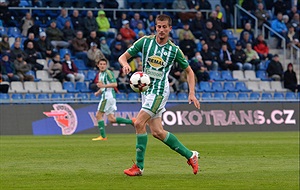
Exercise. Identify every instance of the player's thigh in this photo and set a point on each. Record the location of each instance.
(142, 119)
(99, 115)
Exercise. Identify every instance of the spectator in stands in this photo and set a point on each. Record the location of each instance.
(4, 45)
(188, 45)
(56, 36)
(30, 38)
(275, 69)
(8, 70)
(90, 23)
(44, 46)
(286, 19)
(119, 22)
(176, 71)
(199, 68)
(280, 6)
(127, 33)
(103, 24)
(151, 29)
(22, 68)
(77, 21)
(26, 23)
(139, 28)
(209, 59)
(261, 47)
(214, 44)
(17, 50)
(280, 28)
(116, 52)
(183, 83)
(36, 3)
(123, 82)
(62, 18)
(197, 25)
(110, 4)
(186, 13)
(174, 84)
(105, 48)
(4, 86)
(204, 5)
(292, 36)
(70, 70)
(228, 6)
(225, 59)
(5, 15)
(249, 5)
(263, 16)
(293, 11)
(219, 13)
(55, 69)
(252, 56)
(295, 22)
(150, 21)
(136, 20)
(32, 56)
(290, 79)
(224, 40)
(93, 38)
(186, 31)
(217, 24)
(247, 28)
(239, 58)
(208, 30)
(94, 54)
(69, 33)
(80, 47)
(245, 39)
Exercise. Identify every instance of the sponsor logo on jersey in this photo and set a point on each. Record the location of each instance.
(65, 117)
(156, 61)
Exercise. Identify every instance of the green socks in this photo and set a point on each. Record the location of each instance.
(172, 141)
(101, 127)
(122, 120)
(141, 143)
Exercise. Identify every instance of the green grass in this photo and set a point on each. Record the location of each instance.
(256, 160)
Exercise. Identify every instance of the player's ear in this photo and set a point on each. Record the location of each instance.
(171, 27)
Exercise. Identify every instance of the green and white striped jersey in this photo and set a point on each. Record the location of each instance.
(107, 77)
(157, 61)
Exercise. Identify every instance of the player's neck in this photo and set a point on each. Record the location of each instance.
(162, 41)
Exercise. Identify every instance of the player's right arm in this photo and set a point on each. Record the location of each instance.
(123, 62)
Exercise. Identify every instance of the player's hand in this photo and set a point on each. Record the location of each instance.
(193, 99)
(97, 93)
(126, 69)
(100, 84)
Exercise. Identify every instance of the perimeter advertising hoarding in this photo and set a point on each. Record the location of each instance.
(67, 119)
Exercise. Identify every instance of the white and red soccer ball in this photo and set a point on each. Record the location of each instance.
(139, 82)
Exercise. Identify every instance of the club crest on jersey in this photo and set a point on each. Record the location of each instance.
(156, 61)
(65, 117)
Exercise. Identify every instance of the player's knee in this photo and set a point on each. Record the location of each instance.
(158, 135)
(112, 120)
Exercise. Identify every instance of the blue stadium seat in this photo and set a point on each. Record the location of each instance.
(264, 65)
(172, 96)
(182, 96)
(80, 64)
(43, 97)
(226, 75)
(229, 87)
(69, 96)
(231, 96)
(243, 96)
(278, 96)
(13, 32)
(205, 87)
(133, 96)
(266, 96)
(56, 96)
(241, 87)
(30, 96)
(134, 4)
(24, 3)
(83, 96)
(4, 98)
(93, 97)
(198, 96)
(121, 96)
(70, 87)
(3, 31)
(64, 51)
(219, 96)
(82, 87)
(91, 74)
(215, 75)
(290, 96)
(254, 96)
(17, 96)
(262, 75)
(217, 87)
(207, 96)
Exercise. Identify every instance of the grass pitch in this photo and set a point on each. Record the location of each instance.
(256, 160)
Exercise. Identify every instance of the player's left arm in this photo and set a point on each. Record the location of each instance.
(191, 83)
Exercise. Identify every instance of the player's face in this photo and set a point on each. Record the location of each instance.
(163, 29)
(102, 65)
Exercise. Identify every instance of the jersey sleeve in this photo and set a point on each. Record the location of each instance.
(111, 77)
(136, 47)
(181, 60)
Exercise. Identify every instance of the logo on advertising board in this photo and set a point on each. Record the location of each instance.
(65, 117)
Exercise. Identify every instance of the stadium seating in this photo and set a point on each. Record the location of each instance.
(13, 32)
(43, 75)
(207, 96)
(230, 87)
(278, 96)
(205, 87)
(264, 86)
(121, 96)
(29, 97)
(4, 97)
(69, 96)
(55, 96)
(3, 31)
(253, 85)
(133, 96)
(91, 74)
(255, 96)
(56, 87)
(262, 75)
(31, 87)
(231, 96)
(63, 52)
(17, 97)
(217, 87)
(43, 97)
(266, 96)
(172, 96)
(277, 86)
(82, 96)
(241, 87)
(219, 96)
(226, 75)
(239, 75)
(215, 75)
(70, 87)
(44, 87)
(93, 97)
(16, 87)
(243, 96)
(182, 96)
(80, 64)
(251, 75)
(82, 87)
(290, 96)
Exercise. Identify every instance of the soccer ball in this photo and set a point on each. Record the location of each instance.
(139, 82)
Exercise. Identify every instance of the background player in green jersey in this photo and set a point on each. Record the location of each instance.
(107, 83)
(159, 54)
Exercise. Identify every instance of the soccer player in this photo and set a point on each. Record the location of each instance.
(159, 54)
(107, 83)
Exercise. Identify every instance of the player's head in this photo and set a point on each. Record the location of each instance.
(163, 26)
(102, 64)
